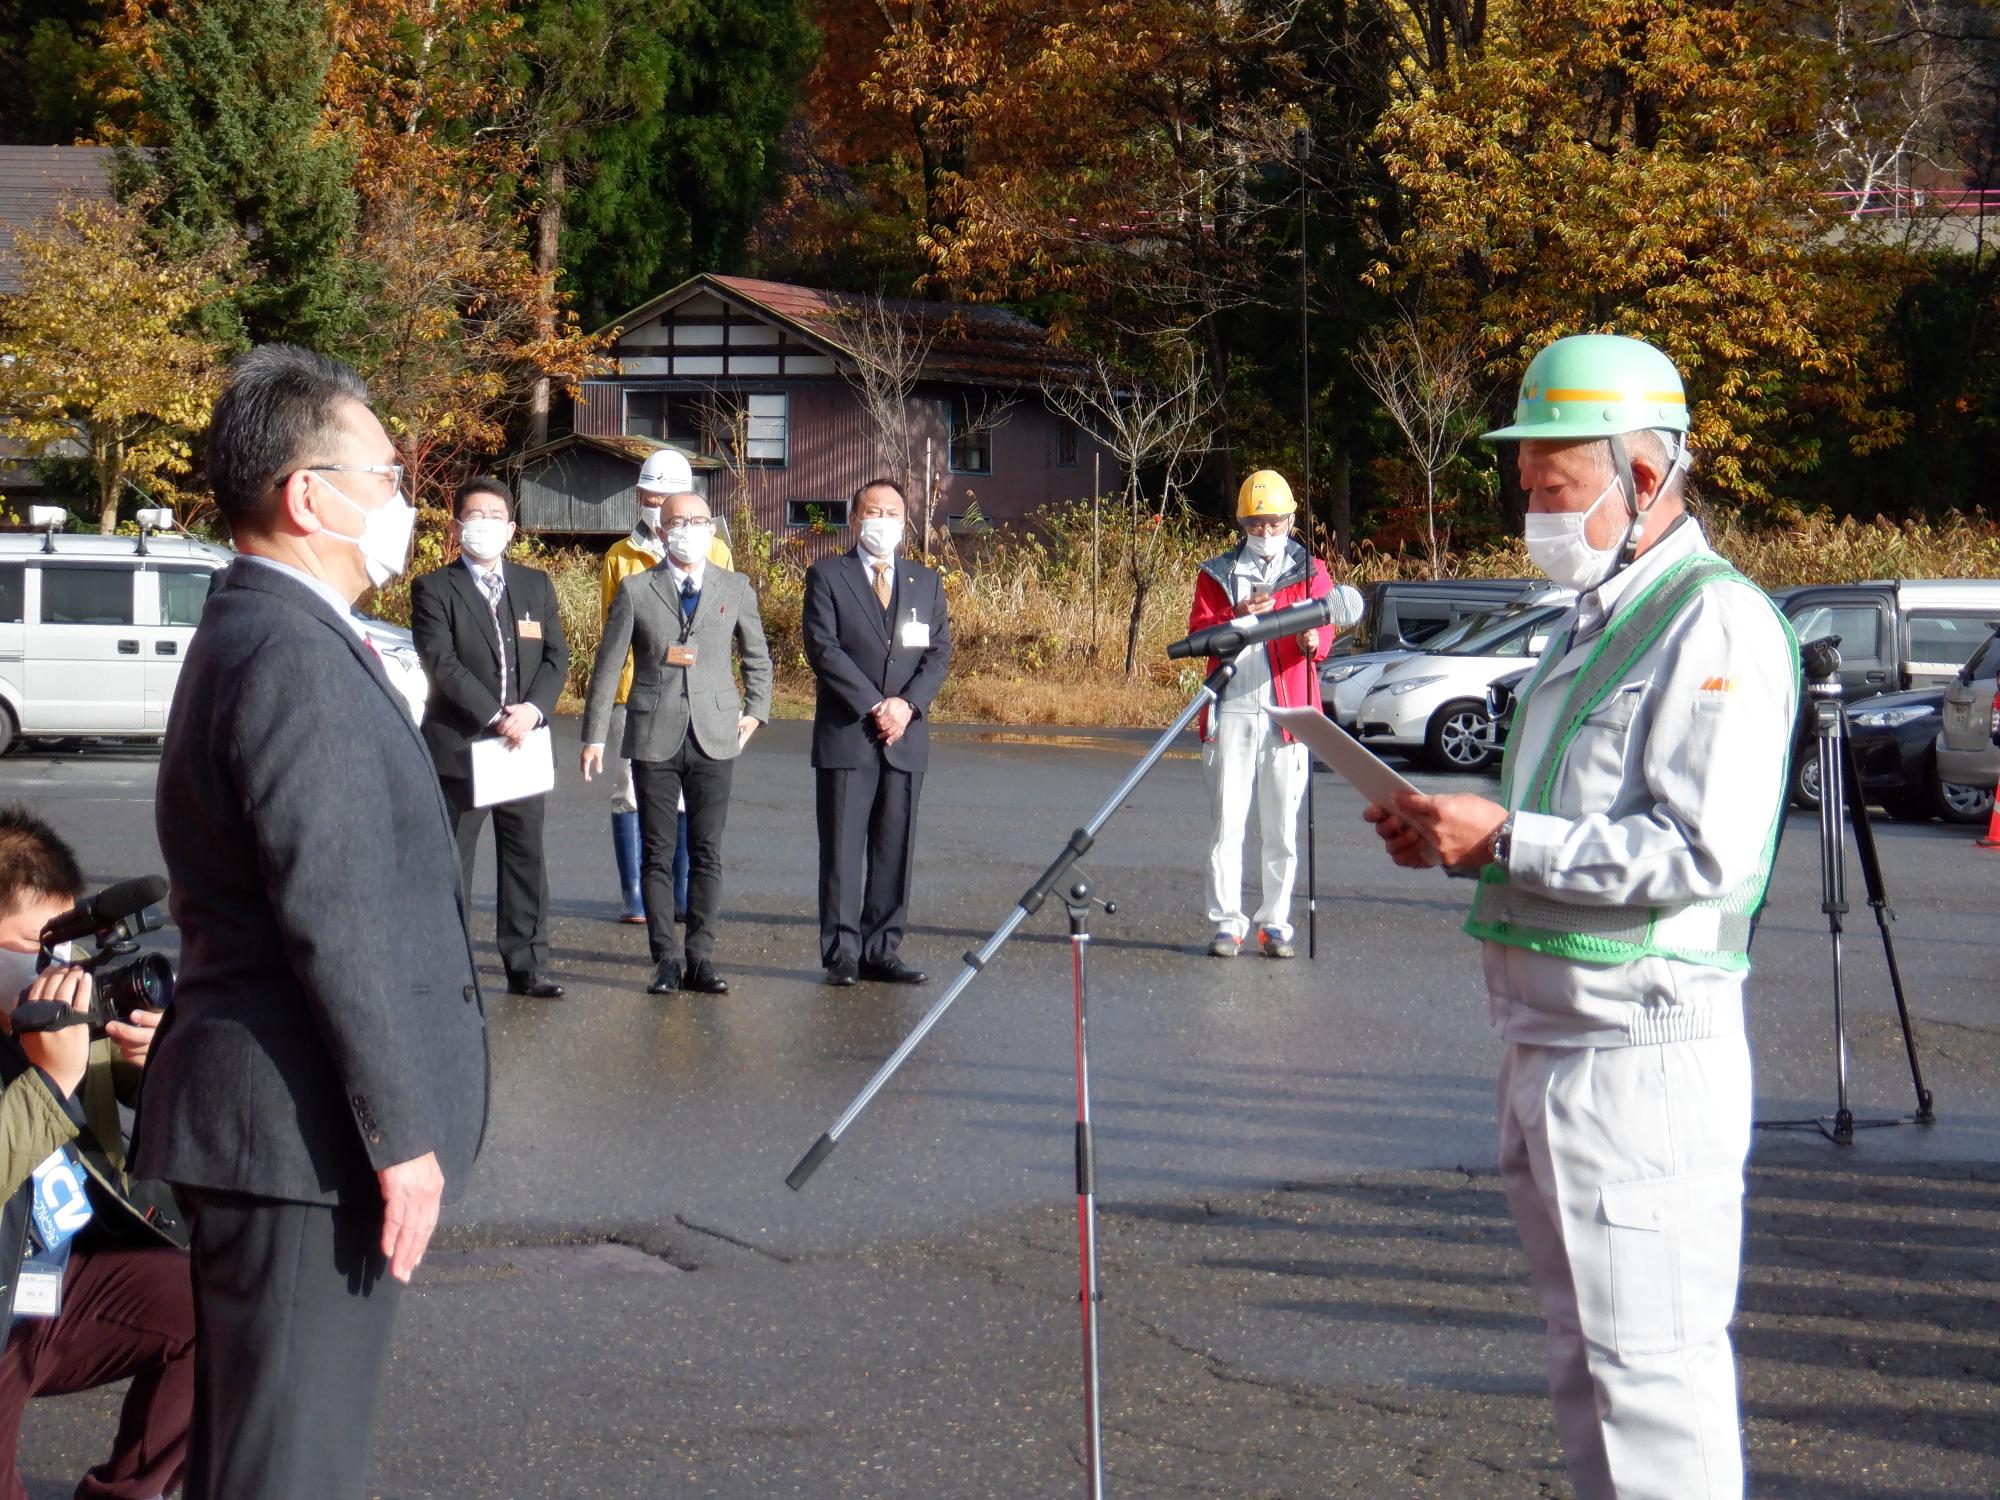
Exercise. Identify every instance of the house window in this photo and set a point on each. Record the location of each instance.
(764, 429)
(1065, 443)
(971, 440)
(674, 417)
(821, 515)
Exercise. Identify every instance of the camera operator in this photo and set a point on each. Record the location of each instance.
(109, 1299)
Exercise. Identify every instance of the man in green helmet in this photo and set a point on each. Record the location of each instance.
(1618, 874)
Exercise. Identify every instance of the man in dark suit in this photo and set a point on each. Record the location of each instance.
(493, 648)
(879, 643)
(685, 724)
(319, 1085)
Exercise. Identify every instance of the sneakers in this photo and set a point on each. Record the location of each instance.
(1224, 945)
(1274, 946)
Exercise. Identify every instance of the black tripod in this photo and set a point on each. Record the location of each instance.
(1839, 805)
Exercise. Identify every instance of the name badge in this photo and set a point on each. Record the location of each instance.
(915, 634)
(681, 655)
(528, 630)
(38, 1292)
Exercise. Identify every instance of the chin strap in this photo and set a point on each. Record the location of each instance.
(1621, 460)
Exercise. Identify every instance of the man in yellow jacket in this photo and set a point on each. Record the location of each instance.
(666, 472)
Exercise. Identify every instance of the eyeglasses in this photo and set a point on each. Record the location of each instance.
(682, 523)
(392, 472)
(1269, 526)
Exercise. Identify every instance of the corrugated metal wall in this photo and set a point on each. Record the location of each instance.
(585, 491)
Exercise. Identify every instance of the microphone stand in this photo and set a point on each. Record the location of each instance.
(975, 962)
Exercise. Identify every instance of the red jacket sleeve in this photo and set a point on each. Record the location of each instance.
(1212, 604)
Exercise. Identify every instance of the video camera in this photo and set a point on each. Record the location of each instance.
(112, 921)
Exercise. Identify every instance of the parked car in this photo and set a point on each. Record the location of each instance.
(1403, 615)
(1894, 637)
(93, 630)
(1895, 751)
(1345, 681)
(1433, 705)
(1968, 744)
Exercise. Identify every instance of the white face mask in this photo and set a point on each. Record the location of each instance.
(17, 972)
(686, 543)
(384, 539)
(1560, 547)
(649, 517)
(881, 535)
(484, 538)
(1263, 547)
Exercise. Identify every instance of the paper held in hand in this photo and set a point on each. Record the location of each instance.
(502, 773)
(1365, 771)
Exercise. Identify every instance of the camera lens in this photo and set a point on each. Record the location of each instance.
(146, 983)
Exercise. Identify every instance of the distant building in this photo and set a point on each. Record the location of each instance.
(33, 182)
(751, 378)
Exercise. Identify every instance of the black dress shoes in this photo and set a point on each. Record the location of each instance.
(895, 971)
(666, 978)
(703, 980)
(843, 972)
(534, 987)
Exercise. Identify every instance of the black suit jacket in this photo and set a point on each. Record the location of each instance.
(326, 1022)
(857, 656)
(454, 633)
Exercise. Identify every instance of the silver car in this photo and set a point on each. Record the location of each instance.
(1968, 747)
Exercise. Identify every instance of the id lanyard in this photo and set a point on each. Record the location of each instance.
(60, 1208)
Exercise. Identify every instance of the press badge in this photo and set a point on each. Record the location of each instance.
(61, 1207)
(681, 655)
(915, 634)
(528, 629)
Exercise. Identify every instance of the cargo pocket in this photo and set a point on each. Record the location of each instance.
(1675, 1250)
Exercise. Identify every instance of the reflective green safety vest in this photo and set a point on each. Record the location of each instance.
(1714, 933)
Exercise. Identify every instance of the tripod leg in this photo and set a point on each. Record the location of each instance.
(1829, 724)
(1312, 868)
(1878, 898)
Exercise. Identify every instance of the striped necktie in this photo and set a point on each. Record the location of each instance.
(495, 585)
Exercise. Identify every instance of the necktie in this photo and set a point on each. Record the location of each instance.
(495, 586)
(882, 583)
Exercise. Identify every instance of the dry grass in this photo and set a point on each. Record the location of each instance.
(1035, 643)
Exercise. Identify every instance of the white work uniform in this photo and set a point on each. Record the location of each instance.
(1624, 1094)
(1245, 750)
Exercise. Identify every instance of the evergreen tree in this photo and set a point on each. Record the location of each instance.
(675, 153)
(230, 107)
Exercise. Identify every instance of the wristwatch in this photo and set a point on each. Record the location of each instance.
(1503, 842)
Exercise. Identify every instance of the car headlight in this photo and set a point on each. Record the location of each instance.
(1411, 684)
(1344, 671)
(1889, 718)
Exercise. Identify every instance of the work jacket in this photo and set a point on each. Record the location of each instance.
(1294, 674)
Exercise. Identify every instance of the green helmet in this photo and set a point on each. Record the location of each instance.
(1592, 385)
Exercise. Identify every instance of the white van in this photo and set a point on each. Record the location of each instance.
(93, 630)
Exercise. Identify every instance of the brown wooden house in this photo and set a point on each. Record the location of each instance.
(758, 381)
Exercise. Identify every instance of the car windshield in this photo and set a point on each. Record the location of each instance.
(1986, 660)
(1488, 633)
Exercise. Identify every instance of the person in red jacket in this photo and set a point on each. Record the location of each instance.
(1245, 753)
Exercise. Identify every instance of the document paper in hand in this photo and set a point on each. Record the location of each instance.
(1365, 771)
(501, 773)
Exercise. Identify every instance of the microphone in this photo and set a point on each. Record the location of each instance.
(1342, 605)
(107, 908)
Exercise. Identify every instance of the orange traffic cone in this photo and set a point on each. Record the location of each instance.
(1992, 838)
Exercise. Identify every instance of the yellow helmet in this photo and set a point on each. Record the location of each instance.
(1265, 493)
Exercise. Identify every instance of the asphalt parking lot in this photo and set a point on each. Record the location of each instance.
(1311, 1285)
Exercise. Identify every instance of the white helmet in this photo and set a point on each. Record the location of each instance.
(666, 471)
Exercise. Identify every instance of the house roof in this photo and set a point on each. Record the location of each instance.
(33, 179)
(636, 449)
(970, 343)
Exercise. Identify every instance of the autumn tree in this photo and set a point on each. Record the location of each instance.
(99, 348)
(1649, 169)
(886, 351)
(1427, 381)
(237, 148)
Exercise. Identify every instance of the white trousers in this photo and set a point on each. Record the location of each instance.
(1246, 752)
(1624, 1170)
